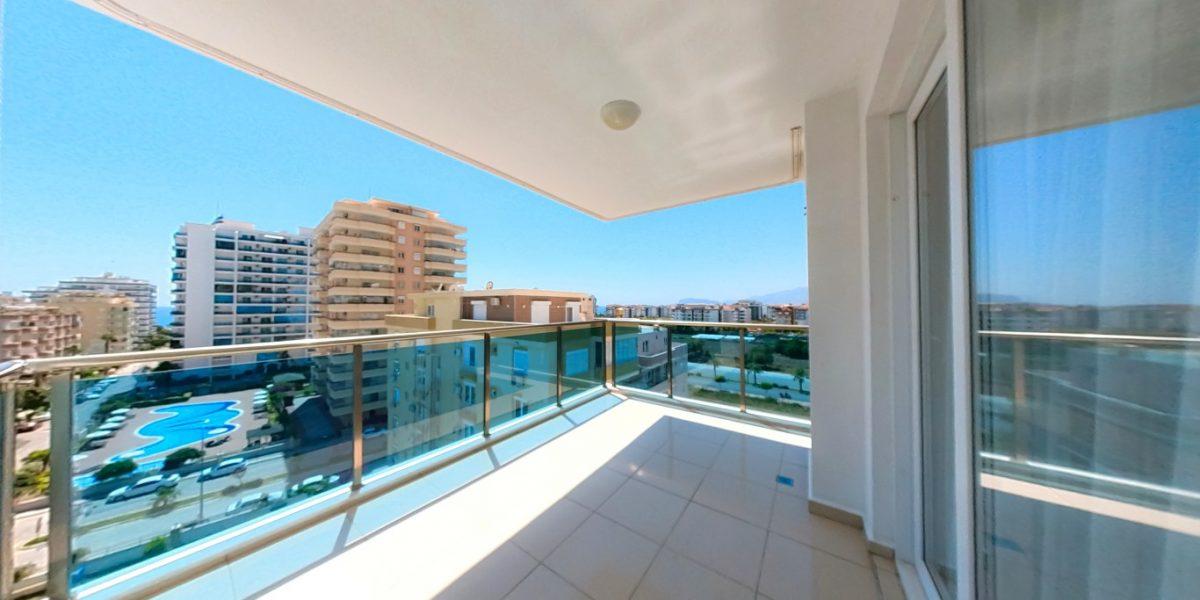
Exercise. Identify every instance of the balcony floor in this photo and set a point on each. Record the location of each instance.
(641, 501)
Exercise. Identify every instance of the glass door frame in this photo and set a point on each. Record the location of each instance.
(948, 62)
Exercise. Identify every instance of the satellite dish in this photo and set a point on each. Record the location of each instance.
(488, 286)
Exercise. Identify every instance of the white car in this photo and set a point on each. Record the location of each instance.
(143, 487)
(228, 466)
(255, 502)
(313, 485)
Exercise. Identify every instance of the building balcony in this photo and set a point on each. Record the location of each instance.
(444, 279)
(352, 257)
(446, 252)
(361, 225)
(340, 242)
(446, 239)
(433, 265)
(352, 291)
(351, 274)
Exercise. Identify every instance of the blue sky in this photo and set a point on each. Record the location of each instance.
(111, 138)
(1106, 214)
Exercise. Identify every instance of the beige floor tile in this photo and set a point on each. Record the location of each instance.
(791, 518)
(630, 458)
(603, 559)
(593, 491)
(492, 577)
(675, 576)
(644, 509)
(770, 449)
(736, 458)
(736, 496)
(792, 570)
(729, 546)
(691, 449)
(799, 477)
(671, 474)
(796, 455)
(550, 528)
(544, 584)
(707, 433)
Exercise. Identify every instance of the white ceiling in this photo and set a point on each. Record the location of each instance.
(516, 87)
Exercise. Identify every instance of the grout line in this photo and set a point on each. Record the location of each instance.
(668, 537)
(766, 542)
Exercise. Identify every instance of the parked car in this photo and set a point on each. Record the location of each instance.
(313, 485)
(143, 486)
(26, 426)
(228, 466)
(256, 501)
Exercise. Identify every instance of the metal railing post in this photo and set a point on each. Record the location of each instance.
(1021, 417)
(612, 355)
(58, 542)
(487, 384)
(670, 366)
(8, 470)
(357, 425)
(558, 367)
(742, 367)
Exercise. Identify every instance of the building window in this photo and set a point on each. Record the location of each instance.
(416, 270)
(416, 227)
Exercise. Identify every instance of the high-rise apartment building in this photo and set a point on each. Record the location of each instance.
(141, 292)
(234, 284)
(30, 330)
(371, 255)
(106, 320)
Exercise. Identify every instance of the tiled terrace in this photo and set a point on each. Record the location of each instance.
(640, 501)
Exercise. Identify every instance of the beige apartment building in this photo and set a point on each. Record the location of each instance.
(427, 374)
(462, 309)
(372, 256)
(36, 331)
(107, 322)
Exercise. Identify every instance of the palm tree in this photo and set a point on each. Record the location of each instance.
(108, 339)
(165, 496)
(755, 369)
(800, 373)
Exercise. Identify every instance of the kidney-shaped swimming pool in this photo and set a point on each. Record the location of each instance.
(188, 424)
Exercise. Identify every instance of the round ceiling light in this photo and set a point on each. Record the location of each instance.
(620, 114)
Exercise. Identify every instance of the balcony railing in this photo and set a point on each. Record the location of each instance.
(237, 447)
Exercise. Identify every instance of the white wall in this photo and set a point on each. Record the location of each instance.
(837, 247)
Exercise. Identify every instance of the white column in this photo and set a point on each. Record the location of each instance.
(837, 257)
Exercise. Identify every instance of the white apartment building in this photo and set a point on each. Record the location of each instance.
(141, 292)
(235, 284)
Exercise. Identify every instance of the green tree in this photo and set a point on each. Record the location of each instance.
(166, 496)
(116, 468)
(800, 373)
(41, 457)
(180, 457)
(157, 545)
(35, 399)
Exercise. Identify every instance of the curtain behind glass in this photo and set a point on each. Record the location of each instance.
(1084, 167)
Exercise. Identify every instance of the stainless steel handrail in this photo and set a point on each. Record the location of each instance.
(90, 361)
(1090, 337)
(720, 324)
(12, 367)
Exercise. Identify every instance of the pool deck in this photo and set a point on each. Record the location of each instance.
(127, 438)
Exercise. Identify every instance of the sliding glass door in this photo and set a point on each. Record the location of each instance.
(1083, 131)
(934, 283)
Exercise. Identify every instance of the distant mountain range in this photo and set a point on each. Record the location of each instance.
(797, 295)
